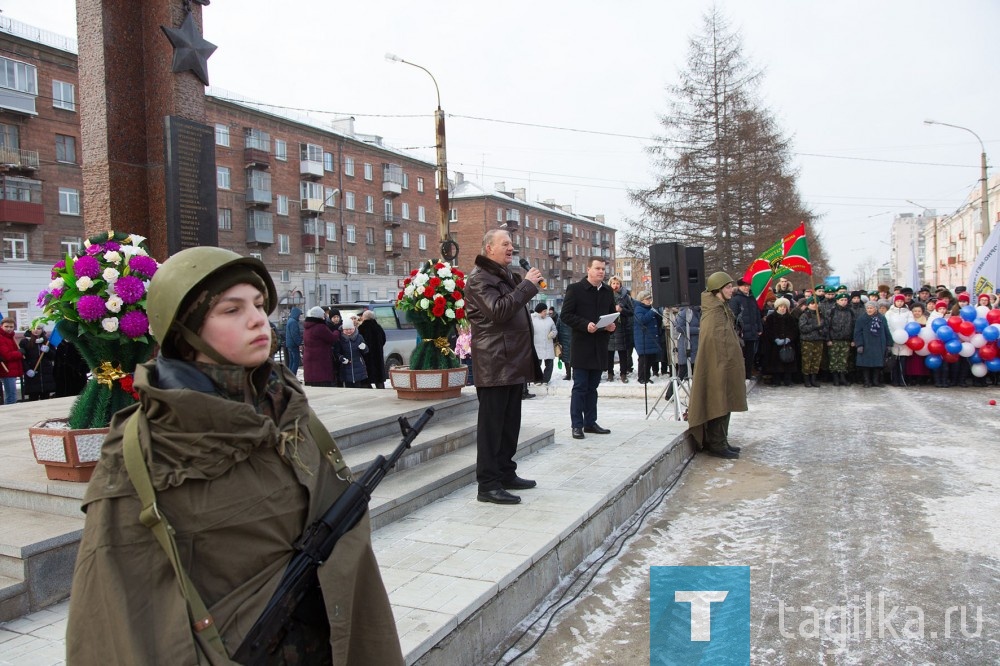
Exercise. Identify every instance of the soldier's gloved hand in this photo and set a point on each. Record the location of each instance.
(861, 350)
(344, 361)
(45, 349)
(362, 346)
(30, 373)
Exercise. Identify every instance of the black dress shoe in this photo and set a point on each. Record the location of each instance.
(734, 449)
(517, 483)
(527, 396)
(596, 429)
(577, 433)
(499, 496)
(723, 453)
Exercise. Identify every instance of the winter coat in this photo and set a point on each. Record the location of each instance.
(239, 487)
(374, 336)
(565, 340)
(293, 329)
(872, 347)
(748, 319)
(826, 305)
(621, 339)
(687, 318)
(40, 362)
(718, 387)
(811, 327)
(69, 370)
(646, 330)
(320, 348)
(11, 355)
(544, 335)
(354, 371)
(583, 305)
(898, 318)
(840, 324)
(779, 327)
(496, 300)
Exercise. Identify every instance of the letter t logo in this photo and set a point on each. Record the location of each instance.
(701, 610)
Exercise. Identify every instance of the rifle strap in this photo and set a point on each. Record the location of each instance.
(328, 446)
(201, 619)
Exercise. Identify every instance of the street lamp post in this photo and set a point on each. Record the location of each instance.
(333, 195)
(984, 184)
(449, 249)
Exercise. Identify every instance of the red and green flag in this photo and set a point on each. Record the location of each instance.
(789, 254)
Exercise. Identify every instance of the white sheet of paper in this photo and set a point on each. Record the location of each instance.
(607, 319)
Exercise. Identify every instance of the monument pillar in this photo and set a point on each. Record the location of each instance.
(127, 90)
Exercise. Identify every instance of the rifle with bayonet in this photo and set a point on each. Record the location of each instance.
(314, 547)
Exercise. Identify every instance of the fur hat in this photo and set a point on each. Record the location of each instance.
(316, 312)
(782, 301)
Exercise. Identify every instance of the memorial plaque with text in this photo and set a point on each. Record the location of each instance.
(190, 184)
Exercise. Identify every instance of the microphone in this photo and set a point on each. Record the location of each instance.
(527, 267)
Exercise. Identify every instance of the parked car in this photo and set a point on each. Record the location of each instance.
(400, 336)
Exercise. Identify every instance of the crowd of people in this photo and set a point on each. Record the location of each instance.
(335, 351)
(35, 368)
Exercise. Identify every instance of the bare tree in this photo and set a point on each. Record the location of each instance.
(864, 272)
(725, 178)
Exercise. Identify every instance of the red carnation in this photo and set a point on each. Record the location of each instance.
(457, 273)
(429, 291)
(456, 295)
(438, 266)
(438, 310)
(414, 272)
(460, 313)
(406, 282)
(460, 283)
(438, 297)
(434, 282)
(399, 296)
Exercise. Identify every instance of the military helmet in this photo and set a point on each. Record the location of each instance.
(181, 273)
(717, 281)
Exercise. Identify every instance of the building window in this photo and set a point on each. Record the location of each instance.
(422, 242)
(223, 178)
(329, 197)
(390, 267)
(63, 95)
(387, 208)
(280, 150)
(348, 166)
(406, 239)
(69, 201)
(406, 267)
(371, 266)
(286, 275)
(368, 171)
(284, 244)
(388, 239)
(352, 265)
(257, 255)
(221, 134)
(351, 234)
(310, 152)
(499, 214)
(331, 231)
(310, 190)
(15, 246)
(226, 219)
(421, 214)
(349, 200)
(310, 264)
(18, 76)
(71, 245)
(331, 263)
(282, 204)
(65, 149)
(369, 236)
(406, 181)
(420, 184)
(327, 161)
(405, 210)
(369, 203)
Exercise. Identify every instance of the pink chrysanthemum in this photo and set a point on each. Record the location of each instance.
(43, 297)
(144, 266)
(134, 324)
(91, 308)
(87, 266)
(112, 246)
(58, 266)
(130, 289)
(95, 248)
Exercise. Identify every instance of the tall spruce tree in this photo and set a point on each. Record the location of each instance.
(725, 180)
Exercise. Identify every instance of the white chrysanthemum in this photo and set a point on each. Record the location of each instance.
(424, 304)
(420, 279)
(58, 283)
(408, 290)
(110, 324)
(449, 313)
(110, 274)
(449, 284)
(460, 303)
(114, 304)
(84, 283)
(113, 257)
(444, 272)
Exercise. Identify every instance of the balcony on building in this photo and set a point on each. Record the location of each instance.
(15, 159)
(553, 251)
(596, 239)
(392, 250)
(310, 160)
(391, 220)
(257, 149)
(606, 241)
(21, 200)
(20, 88)
(513, 218)
(566, 274)
(553, 229)
(392, 179)
(310, 241)
(260, 229)
(258, 188)
(556, 273)
(567, 230)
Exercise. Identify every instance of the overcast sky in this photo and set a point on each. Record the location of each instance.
(850, 82)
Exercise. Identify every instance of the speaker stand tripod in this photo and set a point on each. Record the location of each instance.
(672, 395)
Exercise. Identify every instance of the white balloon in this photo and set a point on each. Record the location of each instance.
(923, 351)
(964, 338)
(977, 340)
(899, 336)
(979, 370)
(981, 311)
(926, 334)
(967, 350)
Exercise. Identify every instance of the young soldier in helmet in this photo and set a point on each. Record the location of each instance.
(718, 387)
(225, 438)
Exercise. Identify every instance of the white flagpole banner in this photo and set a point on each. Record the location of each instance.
(985, 275)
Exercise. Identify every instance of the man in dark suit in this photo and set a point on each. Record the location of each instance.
(585, 302)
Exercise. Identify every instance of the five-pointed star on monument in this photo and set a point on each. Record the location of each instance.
(191, 50)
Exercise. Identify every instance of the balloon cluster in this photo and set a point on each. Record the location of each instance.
(946, 339)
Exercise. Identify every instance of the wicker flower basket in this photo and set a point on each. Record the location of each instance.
(438, 384)
(68, 454)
